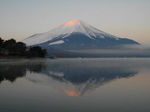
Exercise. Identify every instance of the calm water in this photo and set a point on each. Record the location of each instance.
(75, 85)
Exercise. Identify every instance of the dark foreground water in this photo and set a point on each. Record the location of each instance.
(75, 85)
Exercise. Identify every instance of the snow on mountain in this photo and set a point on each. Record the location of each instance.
(65, 30)
(57, 42)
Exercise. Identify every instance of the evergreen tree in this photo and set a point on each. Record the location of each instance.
(9, 46)
(20, 49)
(12, 48)
(1, 42)
(36, 51)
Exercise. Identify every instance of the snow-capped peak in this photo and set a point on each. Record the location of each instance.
(66, 29)
(72, 23)
(80, 27)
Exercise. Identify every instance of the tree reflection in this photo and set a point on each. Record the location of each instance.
(12, 71)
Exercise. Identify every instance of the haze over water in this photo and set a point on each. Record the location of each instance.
(75, 85)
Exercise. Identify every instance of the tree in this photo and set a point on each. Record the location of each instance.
(12, 48)
(36, 51)
(9, 46)
(1, 42)
(20, 48)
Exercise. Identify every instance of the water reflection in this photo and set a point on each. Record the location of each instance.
(12, 71)
(78, 77)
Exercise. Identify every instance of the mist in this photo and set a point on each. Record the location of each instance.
(126, 51)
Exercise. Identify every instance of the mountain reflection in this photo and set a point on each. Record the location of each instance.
(79, 76)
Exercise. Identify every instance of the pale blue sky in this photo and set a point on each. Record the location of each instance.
(126, 18)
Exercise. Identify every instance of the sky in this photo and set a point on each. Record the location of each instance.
(20, 19)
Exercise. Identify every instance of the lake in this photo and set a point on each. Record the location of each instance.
(75, 85)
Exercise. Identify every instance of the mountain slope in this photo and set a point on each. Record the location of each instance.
(74, 34)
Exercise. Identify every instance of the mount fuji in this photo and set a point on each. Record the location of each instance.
(76, 35)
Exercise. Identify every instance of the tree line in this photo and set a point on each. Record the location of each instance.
(19, 49)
